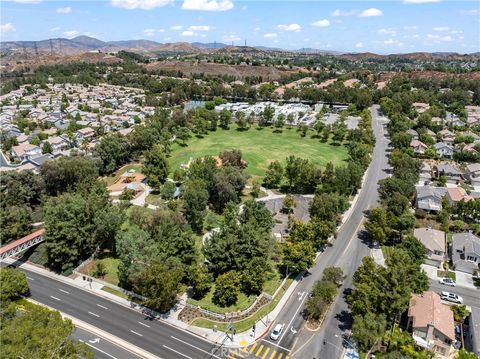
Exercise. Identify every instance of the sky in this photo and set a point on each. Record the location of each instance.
(383, 26)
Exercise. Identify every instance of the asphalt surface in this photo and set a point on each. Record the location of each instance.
(156, 337)
(471, 297)
(347, 252)
(102, 348)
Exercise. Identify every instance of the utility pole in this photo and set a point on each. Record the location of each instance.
(51, 47)
(245, 43)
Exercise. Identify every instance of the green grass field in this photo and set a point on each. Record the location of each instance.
(259, 147)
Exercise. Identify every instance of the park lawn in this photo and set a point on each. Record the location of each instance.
(109, 180)
(259, 147)
(243, 302)
(111, 266)
(246, 324)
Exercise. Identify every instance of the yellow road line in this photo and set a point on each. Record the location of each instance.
(259, 350)
(252, 348)
(273, 354)
(280, 356)
(266, 352)
(245, 348)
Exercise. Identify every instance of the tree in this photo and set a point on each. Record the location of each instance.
(183, 134)
(288, 204)
(273, 175)
(195, 200)
(334, 275)
(255, 192)
(201, 281)
(460, 312)
(298, 256)
(14, 284)
(168, 190)
(253, 276)
(155, 166)
(15, 223)
(227, 288)
(47, 147)
(378, 226)
(368, 329)
(225, 118)
(100, 270)
(113, 151)
(38, 332)
(328, 206)
(463, 354)
(279, 123)
(414, 248)
(159, 283)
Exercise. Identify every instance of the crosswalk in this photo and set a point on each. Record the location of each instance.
(258, 350)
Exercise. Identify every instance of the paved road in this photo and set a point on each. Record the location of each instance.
(471, 297)
(158, 338)
(102, 348)
(347, 252)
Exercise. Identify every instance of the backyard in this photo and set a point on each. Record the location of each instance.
(259, 147)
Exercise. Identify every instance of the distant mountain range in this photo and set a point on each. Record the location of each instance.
(81, 44)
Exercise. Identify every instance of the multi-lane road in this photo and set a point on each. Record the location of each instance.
(153, 336)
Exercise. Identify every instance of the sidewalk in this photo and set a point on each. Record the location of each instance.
(239, 340)
(462, 279)
(377, 255)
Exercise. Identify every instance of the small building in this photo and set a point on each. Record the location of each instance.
(472, 173)
(474, 330)
(457, 194)
(430, 198)
(432, 324)
(434, 242)
(451, 171)
(418, 147)
(84, 134)
(466, 252)
(444, 150)
(25, 151)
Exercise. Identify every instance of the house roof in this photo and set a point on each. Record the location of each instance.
(432, 239)
(417, 143)
(466, 240)
(428, 191)
(440, 145)
(20, 150)
(427, 309)
(85, 130)
(474, 167)
(448, 168)
(458, 194)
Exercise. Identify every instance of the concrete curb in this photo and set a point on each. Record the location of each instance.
(101, 333)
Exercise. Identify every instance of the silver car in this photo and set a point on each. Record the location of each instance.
(447, 281)
(451, 297)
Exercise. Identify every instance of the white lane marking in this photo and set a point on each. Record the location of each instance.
(101, 306)
(64, 291)
(272, 343)
(140, 335)
(100, 350)
(211, 355)
(55, 298)
(30, 278)
(300, 295)
(95, 315)
(177, 352)
(291, 320)
(145, 325)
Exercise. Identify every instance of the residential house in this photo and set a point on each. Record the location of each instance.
(444, 150)
(472, 173)
(474, 330)
(466, 252)
(447, 137)
(425, 176)
(430, 198)
(418, 146)
(432, 324)
(84, 134)
(451, 171)
(434, 242)
(58, 143)
(457, 194)
(413, 133)
(25, 151)
(420, 107)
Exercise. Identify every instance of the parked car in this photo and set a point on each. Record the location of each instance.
(276, 331)
(451, 297)
(447, 281)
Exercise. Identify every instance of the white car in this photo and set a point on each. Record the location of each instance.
(447, 281)
(276, 332)
(451, 297)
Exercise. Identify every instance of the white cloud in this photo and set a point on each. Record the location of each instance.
(189, 33)
(472, 12)
(290, 27)
(441, 28)
(270, 35)
(244, 8)
(439, 38)
(55, 29)
(64, 10)
(207, 5)
(200, 28)
(26, 1)
(167, 38)
(71, 33)
(393, 42)
(391, 32)
(140, 4)
(6, 28)
(388, 42)
(419, 1)
(151, 32)
(321, 23)
(411, 28)
(177, 27)
(371, 12)
(230, 38)
(359, 45)
(339, 12)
